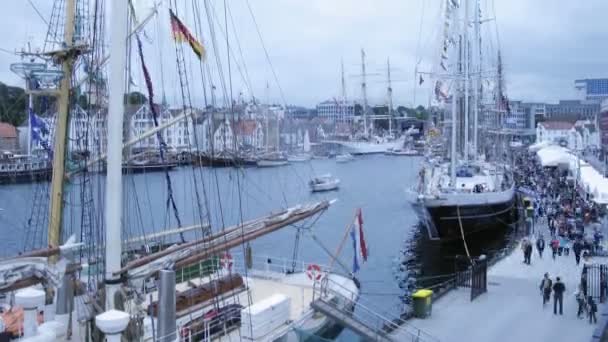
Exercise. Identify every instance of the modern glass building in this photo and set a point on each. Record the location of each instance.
(592, 88)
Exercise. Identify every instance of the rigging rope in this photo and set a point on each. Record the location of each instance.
(466, 247)
(163, 145)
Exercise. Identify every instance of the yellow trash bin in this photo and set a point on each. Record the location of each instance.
(423, 303)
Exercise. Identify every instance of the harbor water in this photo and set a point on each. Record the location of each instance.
(378, 184)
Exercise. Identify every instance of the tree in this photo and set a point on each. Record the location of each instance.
(135, 98)
(402, 110)
(12, 104)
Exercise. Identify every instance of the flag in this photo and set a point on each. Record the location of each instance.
(39, 131)
(182, 34)
(358, 239)
(421, 80)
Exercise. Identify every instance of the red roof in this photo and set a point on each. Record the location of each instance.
(247, 127)
(557, 125)
(7, 130)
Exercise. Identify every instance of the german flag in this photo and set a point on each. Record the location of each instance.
(182, 34)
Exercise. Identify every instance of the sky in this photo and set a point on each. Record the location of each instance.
(545, 44)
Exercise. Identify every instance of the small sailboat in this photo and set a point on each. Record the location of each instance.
(302, 156)
(324, 183)
(344, 157)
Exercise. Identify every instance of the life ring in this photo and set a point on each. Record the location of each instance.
(313, 271)
(226, 261)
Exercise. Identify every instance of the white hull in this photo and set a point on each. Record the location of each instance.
(407, 153)
(328, 186)
(271, 163)
(368, 147)
(468, 199)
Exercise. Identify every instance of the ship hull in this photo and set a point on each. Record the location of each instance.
(147, 168)
(451, 218)
(17, 177)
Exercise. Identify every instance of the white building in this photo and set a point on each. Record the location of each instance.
(140, 119)
(575, 136)
(223, 137)
(336, 111)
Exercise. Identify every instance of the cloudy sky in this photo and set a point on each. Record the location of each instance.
(546, 44)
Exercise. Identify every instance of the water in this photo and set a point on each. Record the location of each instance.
(377, 184)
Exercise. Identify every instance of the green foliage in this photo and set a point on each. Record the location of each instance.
(13, 102)
(135, 98)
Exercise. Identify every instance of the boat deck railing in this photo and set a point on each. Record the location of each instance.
(269, 267)
(363, 316)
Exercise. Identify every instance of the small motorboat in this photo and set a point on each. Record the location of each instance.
(344, 158)
(324, 183)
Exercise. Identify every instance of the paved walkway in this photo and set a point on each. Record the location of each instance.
(512, 309)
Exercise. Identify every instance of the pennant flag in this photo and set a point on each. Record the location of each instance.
(181, 34)
(421, 80)
(358, 238)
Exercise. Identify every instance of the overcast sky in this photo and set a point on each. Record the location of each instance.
(546, 45)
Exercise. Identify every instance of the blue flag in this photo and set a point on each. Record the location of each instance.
(39, 131)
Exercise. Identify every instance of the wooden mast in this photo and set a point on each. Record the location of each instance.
(67, 57)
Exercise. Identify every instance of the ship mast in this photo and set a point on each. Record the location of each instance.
(113, 215)
(68, 56)
(477, 79)
(389, 91)
(364, 91)
(466, 80)
(343, 109)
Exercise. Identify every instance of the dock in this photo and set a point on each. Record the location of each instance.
(512, 308)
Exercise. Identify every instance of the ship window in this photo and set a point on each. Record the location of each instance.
(2, 168)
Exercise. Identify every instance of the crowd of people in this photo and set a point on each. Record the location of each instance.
(561, 218)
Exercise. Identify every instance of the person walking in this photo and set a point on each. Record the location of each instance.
(591, 310)
(577, 248)
(545, 288)
(558, 296)
(540, 245)
(554, 246)
(528, 252)
(581, 300)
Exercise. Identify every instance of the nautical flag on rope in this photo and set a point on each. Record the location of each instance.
(358, 238)
(182, 34)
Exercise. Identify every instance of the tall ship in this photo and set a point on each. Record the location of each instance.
(364, 140)
(466, 193)
(98, 268)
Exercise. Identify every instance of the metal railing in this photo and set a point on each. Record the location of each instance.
(385, 326)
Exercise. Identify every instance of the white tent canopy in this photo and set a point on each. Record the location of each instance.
(590, 179)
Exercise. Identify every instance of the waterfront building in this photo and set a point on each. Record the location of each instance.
(249, 134)
(223, 137)
(337, 111)
(8, 137)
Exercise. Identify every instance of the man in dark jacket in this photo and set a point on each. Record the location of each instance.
(577, 247)
(558, 296)
(540, 245)
(545, 288)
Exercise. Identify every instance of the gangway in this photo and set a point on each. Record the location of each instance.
(360, 316)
